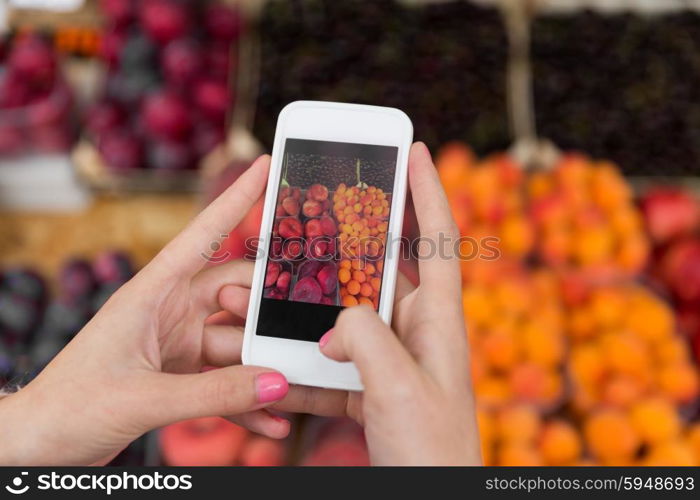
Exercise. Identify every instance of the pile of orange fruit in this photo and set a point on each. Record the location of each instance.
(574, 360)
(362, 213)
(360, 282)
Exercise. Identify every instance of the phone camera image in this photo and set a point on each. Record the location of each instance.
(327, 247)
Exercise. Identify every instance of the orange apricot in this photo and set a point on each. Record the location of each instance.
(343, 275)
(500, 348)
(610, 435)
(679, 381)
(365, 301)
(349, 301)
(345, 264)
(492, 391)
(671, 454)
(541, 344)
(622, 391)
(359, 276)
(370, 269)
(518, 424)
(655, 420)
(560, 443)
(376, 284)
(357, 264)
(518, 455)
(693, 438)
(366, 290)
(353, 287)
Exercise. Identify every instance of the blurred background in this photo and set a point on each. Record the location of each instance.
(569, 129)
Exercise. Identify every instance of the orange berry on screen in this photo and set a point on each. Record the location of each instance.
(357, 264)
(366, 290)
(377, 211)
(357, 208)
(349, 301)
(376, 284)
(353, 287)
(359, 276)
(370, 269)
(365, 301)
(380, 265)
(385, 213)
(344, 275)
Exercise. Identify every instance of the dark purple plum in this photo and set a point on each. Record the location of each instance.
(19, 316)
(307, 290)
(182, 61)
(170, 156)
(104, 117)
(24, 282)
(76, 281)
(309, 268)
(122, 150)
(222, 22)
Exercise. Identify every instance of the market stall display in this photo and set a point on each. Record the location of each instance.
(444, 64)
(36, 103)
(548, 322)
(168, 89)
(598, 77)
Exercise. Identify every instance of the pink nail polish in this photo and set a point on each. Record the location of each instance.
(270, 387)
(326, 337)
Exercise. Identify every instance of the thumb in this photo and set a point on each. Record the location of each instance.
(361, 336)
(226, 391)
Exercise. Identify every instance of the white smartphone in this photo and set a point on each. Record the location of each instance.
(330, 234)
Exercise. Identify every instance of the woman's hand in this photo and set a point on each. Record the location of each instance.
(417, 407)
(136, 365)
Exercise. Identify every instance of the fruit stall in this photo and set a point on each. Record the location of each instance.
(566, 129)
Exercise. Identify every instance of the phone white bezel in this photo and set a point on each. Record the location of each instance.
(301, 361)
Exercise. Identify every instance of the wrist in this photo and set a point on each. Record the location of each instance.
(17, 443)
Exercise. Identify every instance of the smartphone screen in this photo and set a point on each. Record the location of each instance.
(327, 247)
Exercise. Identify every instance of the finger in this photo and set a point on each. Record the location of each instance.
(207, 284)
(235, 300)
(315, 401)
(263, 422)
(222, 318)
(221, 345)
(362, 337)
(186, 254)
(403, 287)
(167, 398)
(438, 265)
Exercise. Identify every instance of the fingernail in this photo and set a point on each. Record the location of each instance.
(270, 387)
(425, 148)
(326, 337)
